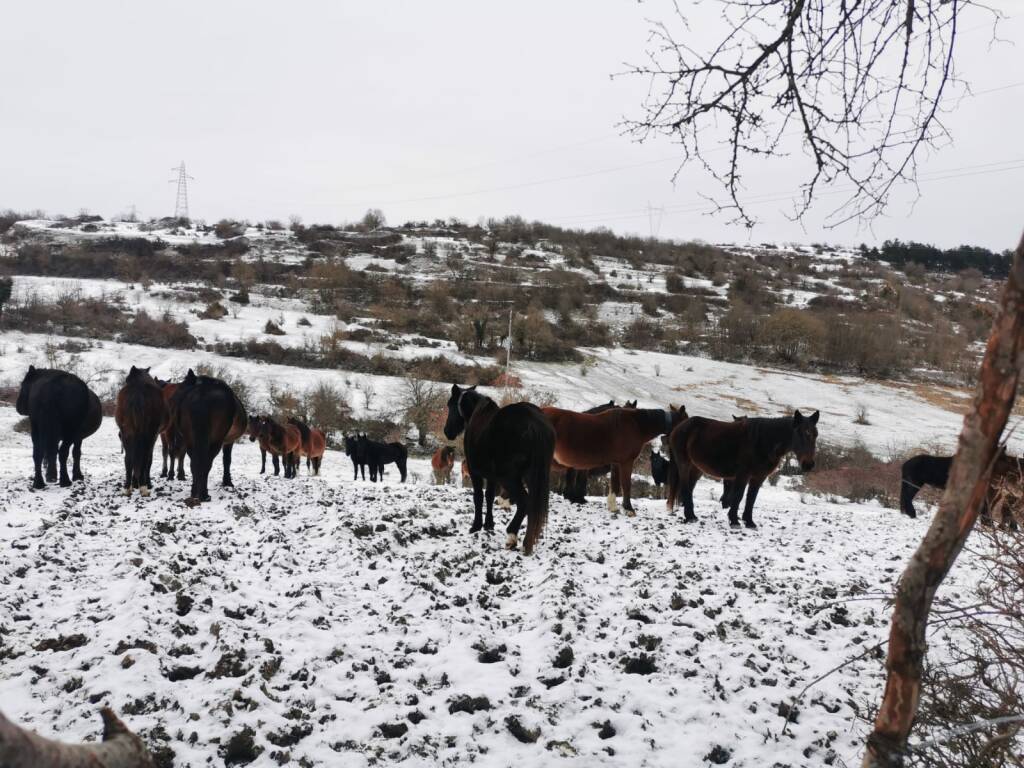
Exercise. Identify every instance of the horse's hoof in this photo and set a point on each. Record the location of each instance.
(144, 490)
(38, 485)
(734, 523)
(475, 528)
(65, 483)
(689, 519)
(127, 491)
(630, 513)
(192, 501)
(750, 524)
(228, 484)
(489, 527)
(511, 541)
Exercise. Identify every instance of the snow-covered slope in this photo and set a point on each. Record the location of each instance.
(352, 624)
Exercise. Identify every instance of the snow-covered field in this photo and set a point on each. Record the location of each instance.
(344, 623)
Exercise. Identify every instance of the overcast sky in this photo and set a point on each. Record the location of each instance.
(448, 108)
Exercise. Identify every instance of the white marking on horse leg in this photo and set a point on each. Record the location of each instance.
(128, 491)
(504, 503)
(511, 541)
(144, 490)
(613, 504)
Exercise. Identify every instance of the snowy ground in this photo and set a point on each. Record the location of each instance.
(352, 624)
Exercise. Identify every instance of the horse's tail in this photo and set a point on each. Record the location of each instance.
(538, 481)
(671, 480)
(908, 490)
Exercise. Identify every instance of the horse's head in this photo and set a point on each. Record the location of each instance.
(459, 410)
(678, 415)
(253, 428)
(21, 406)
(805, 438)
(138, 374)
(350, 445)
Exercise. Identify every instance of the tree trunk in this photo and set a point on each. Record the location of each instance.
(120, 748)
(964, 498)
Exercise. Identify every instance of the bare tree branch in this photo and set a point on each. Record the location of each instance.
(858, 85)
(120, 748)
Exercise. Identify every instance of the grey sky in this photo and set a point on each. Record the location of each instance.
(446, 108)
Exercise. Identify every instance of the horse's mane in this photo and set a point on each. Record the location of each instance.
(303, 427)
(767, 431)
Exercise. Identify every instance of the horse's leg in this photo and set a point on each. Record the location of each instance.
(181, 464)
(63, 451)
(518, 497)
(489, 521)
(51, 457)
(163, 450)
(478, 504)
(76, 461)
(908, 491)
(614, 486)
(147, 467)
(38, 449)
(214, 450)
(226, 481)
(263, 460)
(277, 464)
(128, 470)
(748, 508)
(671, 485)
(626, 478)
(726, 498)
(687, 484)
(739, 484)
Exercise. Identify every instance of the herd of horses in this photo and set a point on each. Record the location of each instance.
(510, 450)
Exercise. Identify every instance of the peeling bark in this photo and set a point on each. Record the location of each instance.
(120, 748)
(961, 503)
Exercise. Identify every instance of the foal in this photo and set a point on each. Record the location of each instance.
(512, 446)
(442, 463)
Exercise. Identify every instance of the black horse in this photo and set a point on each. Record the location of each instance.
(659, 469)
(512, 446)
(352, 451)
(376, 455)
(62, 412)
(922, 470)
(207, 418)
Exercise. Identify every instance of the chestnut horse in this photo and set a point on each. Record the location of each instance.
(615, 436)
(174, 452)
(574, 487)
(279, 440)
(253, 431)
(512, 446)
(443, 462)
(206, 417)
(140, 414)
(312, 445)
(742, 452)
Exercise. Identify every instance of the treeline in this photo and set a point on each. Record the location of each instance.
(900, 254)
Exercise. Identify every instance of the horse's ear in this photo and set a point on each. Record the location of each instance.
(797, 417)
(473, 387)
(133, 371)
(814, 418)
(455, 389)
(31, 369)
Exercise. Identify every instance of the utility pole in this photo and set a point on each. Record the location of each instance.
(181, 201)
(653, 223)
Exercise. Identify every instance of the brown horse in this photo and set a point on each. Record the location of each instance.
(140, 414)
(742, 452)
(574, 485)
(614, 437)
(312, 445)
(443, 462)
(206, 417)
(279, 440)
(174, 452)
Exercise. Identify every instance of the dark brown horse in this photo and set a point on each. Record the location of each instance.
(172, 453)
(207, 417)
(742, 452)
(279, 440)
(62, 412)
(442, 463)
(615, 437)
(140, 414)
(923, 470)
(312, 445)
(512, 446)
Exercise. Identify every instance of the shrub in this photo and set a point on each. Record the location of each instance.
(227, 228)
(855, 474)
(214, 311)
(273, 328)
(163, 332)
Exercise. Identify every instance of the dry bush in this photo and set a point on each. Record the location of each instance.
(792, 335)
(273, 328)
(854, 473)
(214, 311)
(162, 332)
(226, 228)
(972, 703)
(326, 407)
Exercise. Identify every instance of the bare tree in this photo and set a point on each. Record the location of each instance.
(421, 402)
(965, 495)
(859, 85)
(120, 748)
(373, 219)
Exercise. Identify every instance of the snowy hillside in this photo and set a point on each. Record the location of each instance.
(324, 622)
